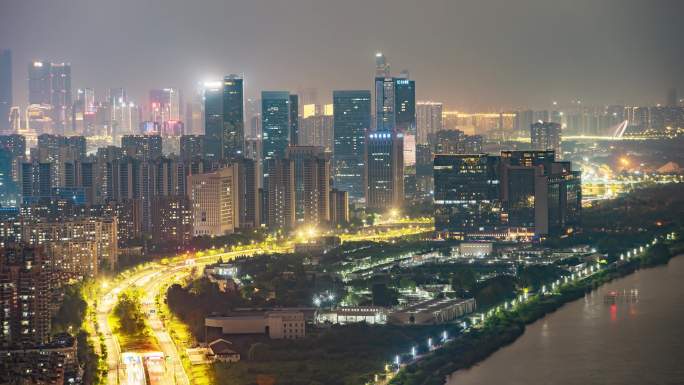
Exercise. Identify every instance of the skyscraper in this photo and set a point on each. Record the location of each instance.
(428, 120)
(382, 68)
(385, 117)
(405, 105)
(351, 123)
(384, 181)
(50, 84)
(5, 89)
(60, 96)
(294, 120)
(275, 126)
(233, 135)
(546, 136)
(40, 84)
(212, 94)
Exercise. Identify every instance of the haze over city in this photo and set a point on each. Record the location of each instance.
(473, 55)
(341, 192)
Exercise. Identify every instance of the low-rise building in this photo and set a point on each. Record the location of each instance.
(221, 350)
(434, 311)
(276, 324)
(353, 314)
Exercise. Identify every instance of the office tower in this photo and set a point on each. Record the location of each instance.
(40, 83)
(385, 117)
(424, 181)
(405, 105)
(253, 115)
(213, 119)
(50, 85)
(280, 194)
(194, 118)
(294, 120)
(39, 118)
(215, 201)
(191, 146)
(275, 118)
(142, 146)
(384, 178)
(541, 196)
(233, 134)
(428, 120)
(25, 295)
(5, 89)
(311, 184)
(171, 222)
(351, 123)
(467, 196)
(546, 136)
(672, 100)
(382, 68)
(339, 208)
(249, 204)
(60, 98)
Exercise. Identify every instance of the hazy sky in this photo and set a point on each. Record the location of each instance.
(476, 54)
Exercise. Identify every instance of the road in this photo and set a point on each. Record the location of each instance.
(154, 277)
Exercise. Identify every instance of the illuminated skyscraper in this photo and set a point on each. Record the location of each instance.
(233, 135)
(382, 68)
(351, 123)
(40, 84)
(5, 89)
(384, 180)
(50, 84)
(213, 118)
(275, 118)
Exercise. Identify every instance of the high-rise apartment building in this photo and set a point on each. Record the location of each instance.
(428, 120)
(546, 136)
(25, 295)
(312, 184)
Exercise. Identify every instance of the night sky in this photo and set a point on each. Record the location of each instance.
(478, 54)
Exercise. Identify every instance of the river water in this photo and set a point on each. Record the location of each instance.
(634, 340)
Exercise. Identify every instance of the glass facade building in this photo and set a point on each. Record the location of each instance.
(351, 123)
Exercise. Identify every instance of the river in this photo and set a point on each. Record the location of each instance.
(636, 339)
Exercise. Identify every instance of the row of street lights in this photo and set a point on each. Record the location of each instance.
(523, 298)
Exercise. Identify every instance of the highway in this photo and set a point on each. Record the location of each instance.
(156, 276)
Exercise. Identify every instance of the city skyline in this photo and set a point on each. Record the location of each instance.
(453, 58)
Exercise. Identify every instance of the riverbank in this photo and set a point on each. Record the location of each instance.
(504, 327)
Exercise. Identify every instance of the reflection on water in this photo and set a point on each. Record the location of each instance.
(629, 332)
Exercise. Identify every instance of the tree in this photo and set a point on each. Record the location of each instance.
(384, 296)
(259, 352)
